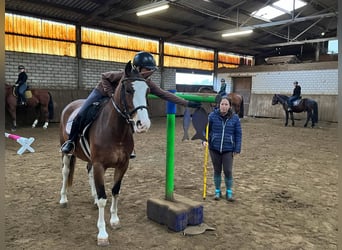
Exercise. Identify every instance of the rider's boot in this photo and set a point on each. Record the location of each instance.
(69, 145)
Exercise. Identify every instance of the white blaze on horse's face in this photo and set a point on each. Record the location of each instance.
(141, 121)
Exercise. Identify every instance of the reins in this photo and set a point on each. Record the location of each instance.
(125, 113)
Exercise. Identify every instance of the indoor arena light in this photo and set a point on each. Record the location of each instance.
(237, 33)
(152, 10)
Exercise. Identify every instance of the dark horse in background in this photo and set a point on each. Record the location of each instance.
(305, 105)
(107, 143)
(39, 99)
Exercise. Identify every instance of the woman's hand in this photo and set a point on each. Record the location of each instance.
(204, 143)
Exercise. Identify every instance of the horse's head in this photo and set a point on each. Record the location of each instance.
(133, 97)
(275, 100)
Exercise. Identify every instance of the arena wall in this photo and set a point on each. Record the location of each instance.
(68, 78)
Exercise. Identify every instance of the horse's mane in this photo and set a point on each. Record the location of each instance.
(285, 97)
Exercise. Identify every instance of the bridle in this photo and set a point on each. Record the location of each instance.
(125, 113)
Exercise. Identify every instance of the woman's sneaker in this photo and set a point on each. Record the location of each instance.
(218, 195)
(229, 195)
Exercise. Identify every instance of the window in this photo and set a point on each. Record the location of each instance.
(194, 79)
(333, 47)
(276, 9)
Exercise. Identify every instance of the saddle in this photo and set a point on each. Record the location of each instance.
(28, 92)
(297, 101)
(90, 115)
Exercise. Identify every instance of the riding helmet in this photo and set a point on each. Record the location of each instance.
(144, 60)
(295, 82)
(21, 67)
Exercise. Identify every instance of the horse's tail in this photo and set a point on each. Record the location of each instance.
(315, 112)
(241, 108)
(50, 107)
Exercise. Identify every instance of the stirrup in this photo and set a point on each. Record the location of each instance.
(68, 143)
(132, 155)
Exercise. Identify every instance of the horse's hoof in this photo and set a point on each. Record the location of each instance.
(116, 225)
(63, 205)
(102, 242)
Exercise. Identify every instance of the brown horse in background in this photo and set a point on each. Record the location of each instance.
(39, 99)
(107, 143)
(236, 99)
(200, 117)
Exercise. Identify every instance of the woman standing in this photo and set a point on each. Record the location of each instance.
(224, 141)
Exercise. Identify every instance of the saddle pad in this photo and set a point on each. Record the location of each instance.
(28, 94)
(296, 102)
(70, 120)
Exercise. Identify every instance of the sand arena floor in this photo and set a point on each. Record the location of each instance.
(285, 189)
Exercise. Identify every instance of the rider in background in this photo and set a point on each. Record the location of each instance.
(222, 91)
(21, 85)
(146, 65)
(295, 96)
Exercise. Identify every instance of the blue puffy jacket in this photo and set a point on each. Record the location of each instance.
(225, 134)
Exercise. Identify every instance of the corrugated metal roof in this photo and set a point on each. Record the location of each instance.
(197, 23)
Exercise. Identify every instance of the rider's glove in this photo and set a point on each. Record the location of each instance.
(194, 104)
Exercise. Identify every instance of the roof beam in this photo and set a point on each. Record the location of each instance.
(288, 21)
(205, 21)
(297, 42)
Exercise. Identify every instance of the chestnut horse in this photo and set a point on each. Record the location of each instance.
(39, 99)
(107, 143)
(304, 105)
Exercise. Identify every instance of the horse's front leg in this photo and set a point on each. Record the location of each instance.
(292, 118)
(46, 124)
(118, 175)
(102, 236)
(114, 218)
